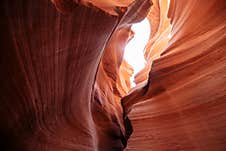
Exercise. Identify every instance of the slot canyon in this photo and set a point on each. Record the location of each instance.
(65, 84)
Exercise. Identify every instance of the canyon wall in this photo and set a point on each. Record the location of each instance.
(64, 84)
(182, 106)
(49, 61)
(56, 91)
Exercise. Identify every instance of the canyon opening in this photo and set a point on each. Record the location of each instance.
(134, 50)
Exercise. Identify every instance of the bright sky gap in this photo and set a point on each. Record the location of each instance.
(134, 51)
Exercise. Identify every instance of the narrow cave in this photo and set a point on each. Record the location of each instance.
(72, 79)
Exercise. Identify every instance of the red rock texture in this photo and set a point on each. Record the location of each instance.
(64, 84)
(183, 104)
(50, 58)
(159, 37)
(112, 7)
(49, 68)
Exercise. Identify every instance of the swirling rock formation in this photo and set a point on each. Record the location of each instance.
(49, 99)
(64, 84)
(182, 106)
(49, 68)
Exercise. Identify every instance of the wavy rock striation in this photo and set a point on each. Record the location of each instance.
(64, 84)
(182, 106)
(50, 62)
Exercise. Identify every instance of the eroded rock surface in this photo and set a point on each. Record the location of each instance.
(182, 106)
(64, 84)
(51, 51)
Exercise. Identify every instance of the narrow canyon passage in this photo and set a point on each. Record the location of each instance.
(66, 81)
